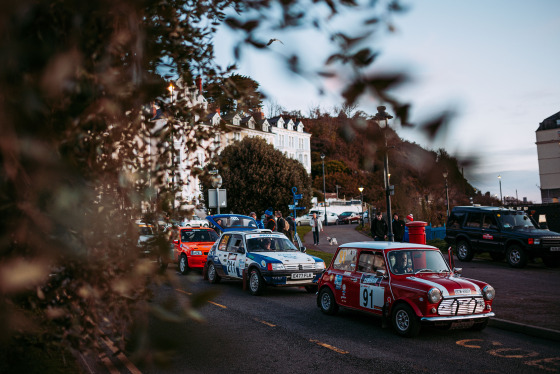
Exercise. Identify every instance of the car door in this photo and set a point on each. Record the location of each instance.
(491, 237)
(235, 257)
(472, 228)
(366, 290)
(222, 254)
(341, 273)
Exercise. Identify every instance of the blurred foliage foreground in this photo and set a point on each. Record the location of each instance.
(75, 78)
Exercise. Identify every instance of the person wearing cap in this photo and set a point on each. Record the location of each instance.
(398, 228)
(409, 218)
(269, 219)
(259, 222)
(379, 228)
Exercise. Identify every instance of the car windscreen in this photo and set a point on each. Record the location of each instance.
(265, 243)
(417, 261)
(233, 222)
(515, 221)
(146, 230)
(198, 236)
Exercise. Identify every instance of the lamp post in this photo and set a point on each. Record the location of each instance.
(171, 88)
(501, 198)
(445, 174)
(382, 118)
(324, 189)
(361, 189)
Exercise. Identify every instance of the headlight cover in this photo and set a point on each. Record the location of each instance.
(434, 295)
(320, 265)
(488, 292)
(196, 253)
(276, 266)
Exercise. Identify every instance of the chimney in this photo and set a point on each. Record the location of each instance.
(199, 84)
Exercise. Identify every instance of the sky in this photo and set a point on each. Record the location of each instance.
(494, 63)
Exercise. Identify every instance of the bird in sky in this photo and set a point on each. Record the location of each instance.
(273, 40)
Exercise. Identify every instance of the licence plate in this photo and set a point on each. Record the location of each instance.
(554, 249)
(302, 275)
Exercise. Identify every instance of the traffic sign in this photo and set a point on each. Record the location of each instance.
(291, 207)
(300, 207)
(298, 196)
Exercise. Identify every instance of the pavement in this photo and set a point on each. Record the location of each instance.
(527, 300)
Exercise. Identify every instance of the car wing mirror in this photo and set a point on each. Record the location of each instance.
(176, 241)
(380, 273)
(303, 249)
(240, 250)
(458, 271)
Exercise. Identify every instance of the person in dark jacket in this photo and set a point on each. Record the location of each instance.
(270, 223)
(398, 228)
(379, 228)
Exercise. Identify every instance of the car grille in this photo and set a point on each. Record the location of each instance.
(550, 240)
(300, 266)
(461, 306)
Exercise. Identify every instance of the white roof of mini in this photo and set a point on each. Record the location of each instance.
(386, 245)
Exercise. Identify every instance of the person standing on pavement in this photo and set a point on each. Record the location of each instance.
(291, 224)
(379, 228)
(281, 224)
(259, 222)
(316, 226)
(398, 228)
(270, 223)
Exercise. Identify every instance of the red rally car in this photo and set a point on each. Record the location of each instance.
(191, 249)
(408, 284)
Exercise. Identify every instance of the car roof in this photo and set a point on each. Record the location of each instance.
(195, 228)
(481, 208)
(385, 245)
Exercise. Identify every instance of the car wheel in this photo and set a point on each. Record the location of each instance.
(298, 223)
(311, 289)
(464, 251)
(405, 321)
(551, 262)
(497, 256)
(327, 303)
(479, 326)
(213, 276)
(516, 256)
(256, 283)
(183, 264)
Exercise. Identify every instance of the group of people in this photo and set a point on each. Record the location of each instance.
(380, 229)
(275, 222)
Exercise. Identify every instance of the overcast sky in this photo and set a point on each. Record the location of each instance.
(495, 63)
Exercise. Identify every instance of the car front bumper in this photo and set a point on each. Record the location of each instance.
(456, 318)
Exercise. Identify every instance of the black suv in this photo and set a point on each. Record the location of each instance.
(501, 232)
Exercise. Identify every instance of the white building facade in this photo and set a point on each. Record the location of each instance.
(548, 150)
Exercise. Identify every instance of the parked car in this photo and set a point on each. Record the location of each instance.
(332, 217)
(260, 258)
(408, 284)
(304, 220)
(149, 246)
(195, 222)
(192, 247)
(503, 233)
(348, 217)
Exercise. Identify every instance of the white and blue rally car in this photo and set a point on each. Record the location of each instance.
(258, 257)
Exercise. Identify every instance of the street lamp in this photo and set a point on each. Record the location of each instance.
(382, 118)
(361, 189)
(501, 198)
(445, 174)
(324, 189)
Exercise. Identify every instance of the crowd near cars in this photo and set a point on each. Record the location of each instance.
(408, 285)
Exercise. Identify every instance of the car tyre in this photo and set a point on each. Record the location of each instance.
(464, 251)
(183, 264)
(327, 303)
(479, 326)
(516, 256)
(213, 276)
(405, 322)
(256, 282)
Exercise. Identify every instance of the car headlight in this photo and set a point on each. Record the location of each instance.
(488, 292)
(196, 253)
(434, 295)
(320, 265)
(276, 266)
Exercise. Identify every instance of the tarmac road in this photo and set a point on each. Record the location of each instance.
(527, 300)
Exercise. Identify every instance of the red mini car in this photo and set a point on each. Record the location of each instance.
(408, 284)
(191, 249)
